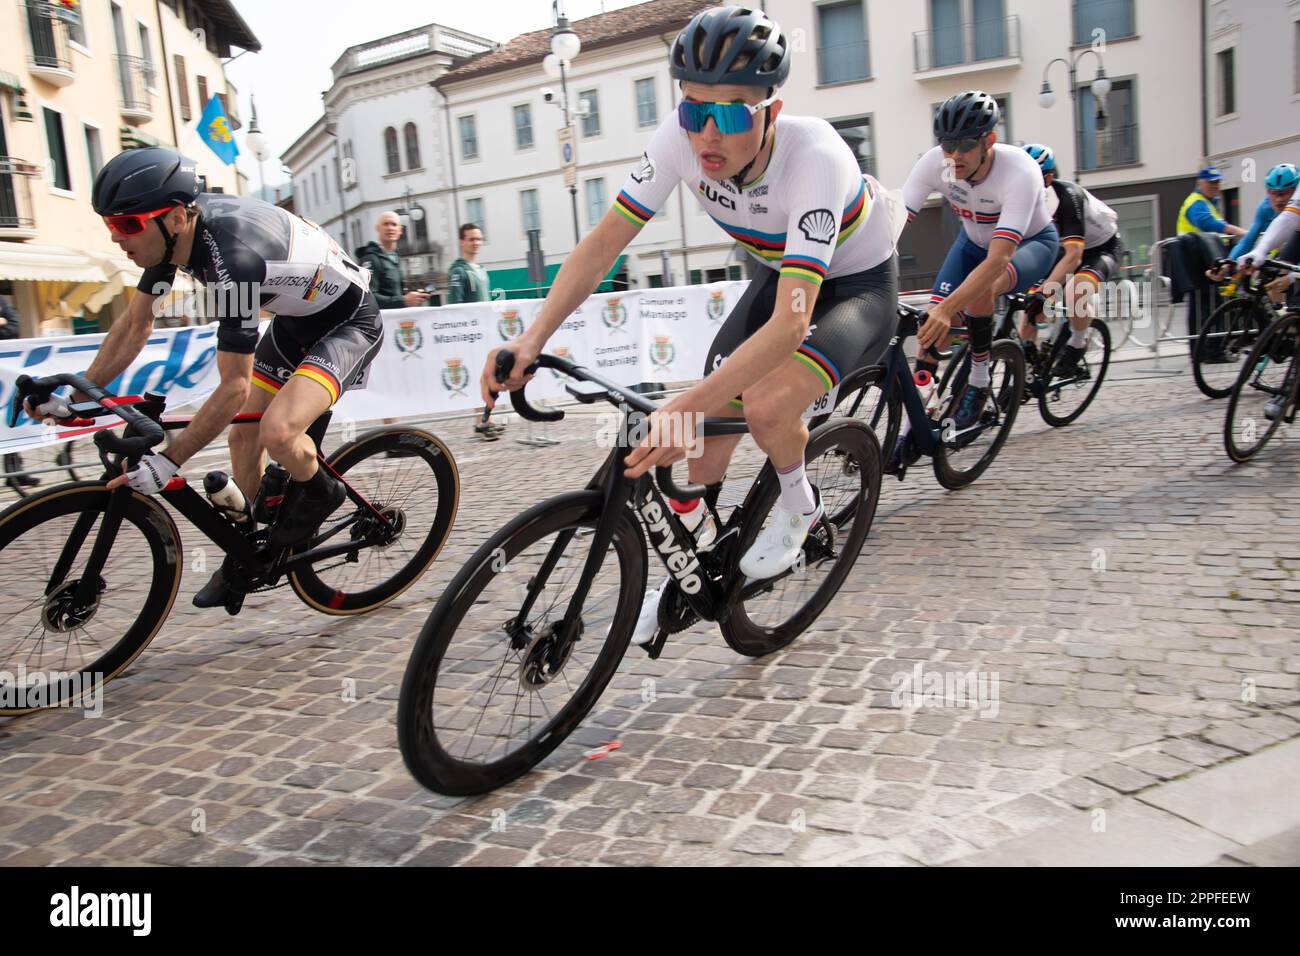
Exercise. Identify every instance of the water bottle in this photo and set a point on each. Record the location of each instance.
(225, 494)
(698, 520)
(275, 482)
(925, 382)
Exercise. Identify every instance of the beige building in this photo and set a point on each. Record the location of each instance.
(80, 82)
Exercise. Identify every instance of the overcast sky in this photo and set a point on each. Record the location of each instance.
(302, 38)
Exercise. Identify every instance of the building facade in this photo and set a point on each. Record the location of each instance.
(79, 82)
(1252, 68)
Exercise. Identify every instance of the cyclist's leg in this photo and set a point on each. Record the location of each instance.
(962, 259)
(277, 355)
(754, 308)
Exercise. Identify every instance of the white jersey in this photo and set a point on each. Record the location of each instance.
(812, 214)
(1005, 204)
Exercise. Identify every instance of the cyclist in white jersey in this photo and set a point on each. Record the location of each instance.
(1008, 242)
(790, 191)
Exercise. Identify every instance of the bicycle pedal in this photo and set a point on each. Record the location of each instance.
(234, 604)
(656, 646)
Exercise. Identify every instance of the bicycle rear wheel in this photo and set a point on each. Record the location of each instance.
(1062, 401)
(52, 642)
(960, 459)
(868, 404)
(1265, 392)
(488, 691)
(1223, 343)
(843, 462)
(417, 492)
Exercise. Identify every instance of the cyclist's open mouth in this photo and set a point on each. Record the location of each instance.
(712, 162)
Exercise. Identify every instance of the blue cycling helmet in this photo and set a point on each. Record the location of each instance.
(1282, 176)
(1042, 155)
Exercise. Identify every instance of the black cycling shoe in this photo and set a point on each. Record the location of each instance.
(217, 592)
(311, 508)
(1070, 364)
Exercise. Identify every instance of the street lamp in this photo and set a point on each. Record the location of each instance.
(1100, 87)
(256, 142)
(565, 46)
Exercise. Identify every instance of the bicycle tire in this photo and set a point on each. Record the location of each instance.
(145, 514)
(1240, 321)
(418, 445)
(1288, 324)
(860, 403)
(854, 442)
(429, 758)
(1012, 357)
(1045, 394)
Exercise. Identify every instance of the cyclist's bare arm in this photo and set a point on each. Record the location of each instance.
(236, 371)
(1069, 262)
(123, 342)
(576, 280)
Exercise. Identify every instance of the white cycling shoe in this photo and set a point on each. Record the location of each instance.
(648, 622)
(779, 543)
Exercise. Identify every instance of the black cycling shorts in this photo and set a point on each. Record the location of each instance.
(337, 360)
(1100, 262)
(851, 324)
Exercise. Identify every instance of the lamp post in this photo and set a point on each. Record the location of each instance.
(565, 46)
(1100, 87)
(255, 139)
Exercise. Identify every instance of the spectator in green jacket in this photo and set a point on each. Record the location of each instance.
(385, 266)
(467, 281)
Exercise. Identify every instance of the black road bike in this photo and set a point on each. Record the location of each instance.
(879, 395)
(525, 638)
(1231, 331)
(88, 575)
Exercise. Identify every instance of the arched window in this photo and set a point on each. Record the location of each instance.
(390, 148)
(412, 147)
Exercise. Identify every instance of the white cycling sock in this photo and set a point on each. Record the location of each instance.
(796, 492)
(979, 372)
(1078, 337)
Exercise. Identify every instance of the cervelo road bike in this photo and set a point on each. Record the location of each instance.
(88, 575)
(528, 634)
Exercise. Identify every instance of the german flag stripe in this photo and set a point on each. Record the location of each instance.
(265, 382)
(322, 378)
(632, 210)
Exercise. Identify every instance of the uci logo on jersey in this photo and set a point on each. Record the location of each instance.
(710, 193)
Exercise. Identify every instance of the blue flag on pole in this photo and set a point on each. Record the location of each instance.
(214, 129)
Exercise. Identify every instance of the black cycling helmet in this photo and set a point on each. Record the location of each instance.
(142, 180)
(731, 45)
(972, 113)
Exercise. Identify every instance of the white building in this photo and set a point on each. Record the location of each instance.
(1252, 68)
(380, 144)
(877, 70)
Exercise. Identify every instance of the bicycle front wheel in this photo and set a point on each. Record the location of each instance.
(59, 641)
(1265, 391)
(409, 477)
(491, 687)
(1223, 343)
(843, 462)
(1064, 398)
(960, 459)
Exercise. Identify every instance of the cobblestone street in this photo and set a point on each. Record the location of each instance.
(1130, 596)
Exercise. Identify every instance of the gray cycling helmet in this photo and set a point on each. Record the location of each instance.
(142, 180)
(972, 113)
(731, 45)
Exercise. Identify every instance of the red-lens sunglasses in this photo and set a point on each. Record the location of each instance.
(132, 223)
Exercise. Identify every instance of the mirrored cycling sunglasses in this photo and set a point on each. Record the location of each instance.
(132, 223)
(963, 145)
(729, 117)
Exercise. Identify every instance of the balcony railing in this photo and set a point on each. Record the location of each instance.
(16, 219)
(48, 33)
(1117, 146)
(976, 41)
(135, 77)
